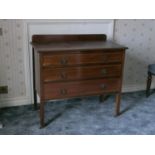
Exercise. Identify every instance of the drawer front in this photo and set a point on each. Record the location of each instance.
(80, 88)
(79, 73)
(81, 58)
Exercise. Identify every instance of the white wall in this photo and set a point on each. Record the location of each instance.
(138, 35)
(12, 69)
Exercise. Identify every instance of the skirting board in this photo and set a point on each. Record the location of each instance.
(15, 101)
(25, 100)
(136, 87)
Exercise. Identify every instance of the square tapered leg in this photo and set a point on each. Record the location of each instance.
(117, 107)
(149, 80)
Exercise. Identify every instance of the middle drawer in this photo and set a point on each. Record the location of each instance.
(81, 72)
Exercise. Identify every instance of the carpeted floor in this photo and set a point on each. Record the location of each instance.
(84, 116)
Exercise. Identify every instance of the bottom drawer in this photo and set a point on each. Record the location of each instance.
(80, 88)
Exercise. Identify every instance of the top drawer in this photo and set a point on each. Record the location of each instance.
(69, 59)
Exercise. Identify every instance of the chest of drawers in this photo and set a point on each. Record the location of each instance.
(67, 66)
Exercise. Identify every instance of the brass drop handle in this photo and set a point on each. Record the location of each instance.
(102, 86)
(63, 91)
(103, 71)
(63, 75)
(63, 61)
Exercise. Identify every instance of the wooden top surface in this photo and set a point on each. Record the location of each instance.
(76, 45)
(51, 43)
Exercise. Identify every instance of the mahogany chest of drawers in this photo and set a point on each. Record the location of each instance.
(67, 66)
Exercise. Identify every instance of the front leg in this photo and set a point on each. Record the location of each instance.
(117, 107)
(42, 113)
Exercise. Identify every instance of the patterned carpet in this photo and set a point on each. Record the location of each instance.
(86, 116)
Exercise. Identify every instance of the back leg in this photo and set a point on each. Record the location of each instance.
(149, 80)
